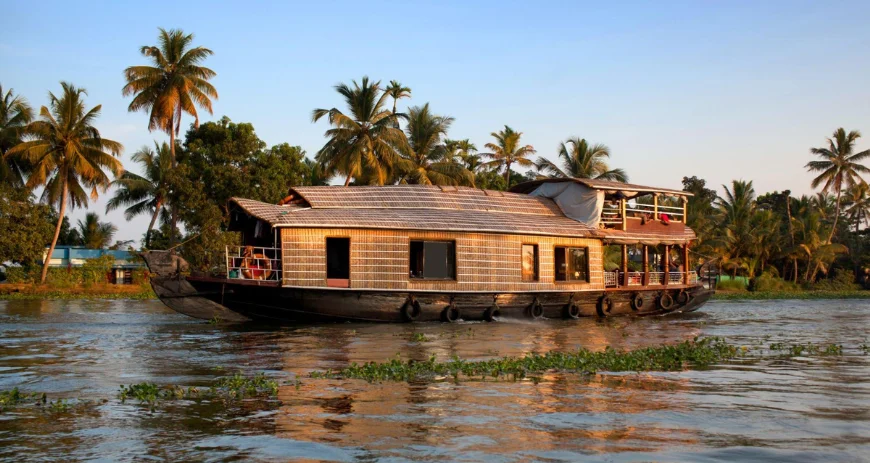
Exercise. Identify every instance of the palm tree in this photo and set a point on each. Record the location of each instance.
(464, 150)
(839, 167)
(368, 138)
(507, 151)
(581, 160)
(15, 114)
(857, 204)
(315, 175)
(175, 83)
(397, 92)
(429, 162)
(735, 211)
(95, 234)
(146, 194)
(67, 154)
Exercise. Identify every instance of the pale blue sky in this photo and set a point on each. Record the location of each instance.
(720, 90)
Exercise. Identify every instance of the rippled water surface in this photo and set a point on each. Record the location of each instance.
(799, 409)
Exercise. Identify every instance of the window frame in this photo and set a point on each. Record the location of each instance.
(454, 269)
(566, 248)
(537, 271)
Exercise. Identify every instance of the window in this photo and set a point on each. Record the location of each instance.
(433, 260)
(530, 262)
(572, 264)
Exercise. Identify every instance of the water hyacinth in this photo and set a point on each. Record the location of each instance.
(697, 353)
(228, 388)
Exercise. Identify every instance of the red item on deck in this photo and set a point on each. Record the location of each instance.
(665, 219)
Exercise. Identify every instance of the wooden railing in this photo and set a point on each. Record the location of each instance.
(253, 263)
(617, 279)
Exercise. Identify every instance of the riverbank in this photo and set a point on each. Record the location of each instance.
(101, 291)
(781, 295)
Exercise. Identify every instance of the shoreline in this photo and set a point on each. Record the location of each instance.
(786, 295)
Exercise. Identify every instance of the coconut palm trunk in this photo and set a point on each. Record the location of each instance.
(507, 174)
(836, 215)
(151, 225)
(61, 212)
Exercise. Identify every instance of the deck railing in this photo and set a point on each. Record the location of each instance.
(656, 278)
(610, 279)
(253, 263)
(612, 213)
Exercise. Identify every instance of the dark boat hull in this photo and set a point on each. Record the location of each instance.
(220, 299)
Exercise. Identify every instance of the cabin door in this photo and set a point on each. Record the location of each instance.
(338, 262)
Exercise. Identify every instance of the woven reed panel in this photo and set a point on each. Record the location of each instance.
(484, 261)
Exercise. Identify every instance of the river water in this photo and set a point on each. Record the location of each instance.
(797, 409)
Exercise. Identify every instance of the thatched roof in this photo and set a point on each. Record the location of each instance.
(418, 207)
(607, 185)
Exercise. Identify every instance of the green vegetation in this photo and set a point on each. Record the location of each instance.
(225, 389)
(807, 295)
(695, 354)
(581, 160)
(508, 150)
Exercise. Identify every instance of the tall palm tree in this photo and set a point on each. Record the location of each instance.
(172, 85)
(397, 92)
(96, 234)
(428, 162)
(735, 211)
(148, 193)
(840, 167)
(15, 114)
(581, 160)
(68, 154)
(315, 175)
(465, 150)
(368, 138)
(857, 202)
(507, 150)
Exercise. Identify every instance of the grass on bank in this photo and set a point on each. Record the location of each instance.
(72, 292)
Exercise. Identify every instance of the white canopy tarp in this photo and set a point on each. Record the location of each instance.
(577, 201)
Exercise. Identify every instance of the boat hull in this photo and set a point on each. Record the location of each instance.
(213, 299)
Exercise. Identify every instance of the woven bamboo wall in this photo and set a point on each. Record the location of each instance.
(380, 260)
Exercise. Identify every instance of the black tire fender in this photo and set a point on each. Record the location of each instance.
(491, 313)
(637, 301)
(411, 309)
(536, 310)
(572, 310)
(683, 297)
(666, 301)
(605, 305)
(451, 313)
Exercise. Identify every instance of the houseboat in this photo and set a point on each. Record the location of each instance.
(554, 248)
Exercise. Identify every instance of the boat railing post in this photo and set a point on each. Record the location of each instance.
(655, 206)
(667, 270)
(227, 261)
(645, 265)
(624, 265)
(622, 212)
(686, 263)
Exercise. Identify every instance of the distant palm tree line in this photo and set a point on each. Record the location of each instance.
(371, 142)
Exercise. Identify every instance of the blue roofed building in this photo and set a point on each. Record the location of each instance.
(75, 256)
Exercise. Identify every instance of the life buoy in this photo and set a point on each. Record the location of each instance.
(411, 309)
(666, 301)
(451, 313)
(491, 313)
(683, 297)
(256, 267)
(572, 310)
(536, 310)
(637, 302)
(605, 305)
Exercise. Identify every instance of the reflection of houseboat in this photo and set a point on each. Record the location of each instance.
(410, 252)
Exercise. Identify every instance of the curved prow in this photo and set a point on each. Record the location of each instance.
(178, 294)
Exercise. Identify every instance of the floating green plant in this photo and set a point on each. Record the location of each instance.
(14, 397)
(226, 388)
(796, 350)
(419, 337)
(697, 353)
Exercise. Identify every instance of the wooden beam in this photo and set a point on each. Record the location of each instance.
(667, 265)
(655, 206)
(645, 265)
(686, 263)
(624, 265)
(622, 211)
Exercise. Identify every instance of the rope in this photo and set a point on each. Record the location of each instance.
(184, 242)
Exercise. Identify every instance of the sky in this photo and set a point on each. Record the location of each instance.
(720, 90)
